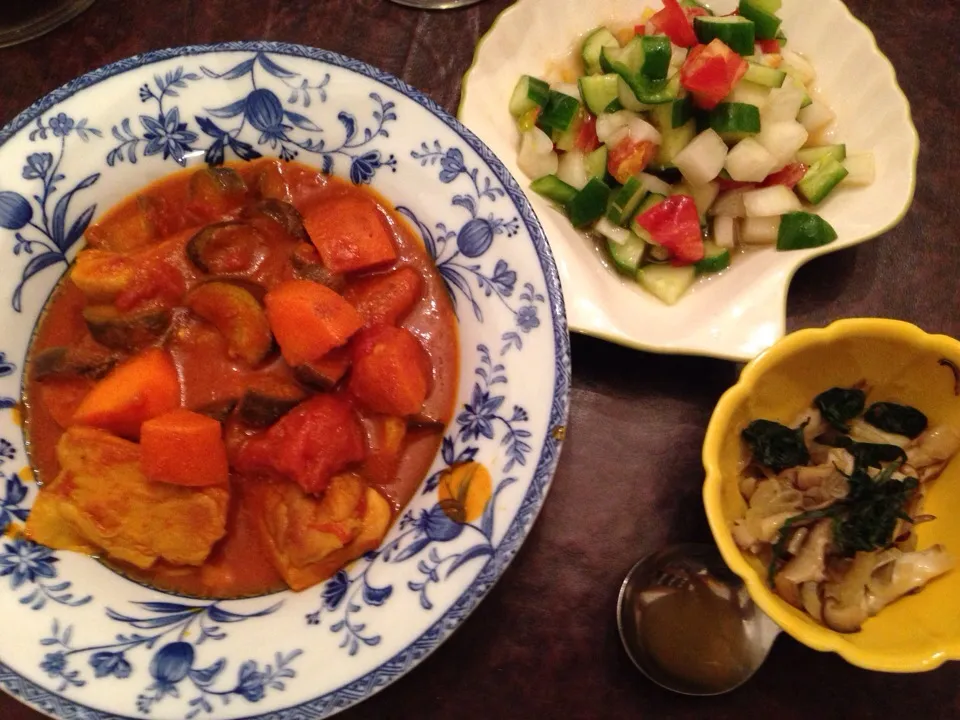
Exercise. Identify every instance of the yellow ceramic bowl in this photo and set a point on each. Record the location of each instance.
(902, 363)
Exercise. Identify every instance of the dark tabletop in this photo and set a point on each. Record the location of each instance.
(544, 643)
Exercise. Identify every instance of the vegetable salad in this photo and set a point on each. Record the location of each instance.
(684, 138)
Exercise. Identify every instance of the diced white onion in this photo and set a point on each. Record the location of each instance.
(612, 232)
(816, 116)
(861, 169)
(759, 231)
(783, 104)
(642, 131)
(609, 124)
(536, 157)
(702, 160)
(749, 161)
(802, 68)
(782, 140)
(729, 204)
(725, 231)
(770, 201)
(572, 170)
(704, 195)
(571, 89)
(653, 184)
(678, 56)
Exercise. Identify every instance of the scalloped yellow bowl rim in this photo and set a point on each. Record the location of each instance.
(796, 624)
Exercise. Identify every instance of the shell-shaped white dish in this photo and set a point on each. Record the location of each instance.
(742, 311)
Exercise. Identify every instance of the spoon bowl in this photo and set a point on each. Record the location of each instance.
(689, 625)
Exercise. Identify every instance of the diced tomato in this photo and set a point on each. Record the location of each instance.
(710, 72)
(310, 444)
(587, 140)
(769, 46)
(628, 157)
(694, 11)
(640, 29)
(391, 371)
(789, 176)
(673, 22)
(675, 224)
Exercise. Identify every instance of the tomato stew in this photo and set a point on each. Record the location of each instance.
(242, 379)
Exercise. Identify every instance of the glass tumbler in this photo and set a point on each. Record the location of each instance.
(22, 20)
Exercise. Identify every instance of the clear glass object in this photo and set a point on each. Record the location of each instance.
(22, 20)
(432, 4)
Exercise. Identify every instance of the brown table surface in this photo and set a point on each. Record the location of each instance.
(544, 643)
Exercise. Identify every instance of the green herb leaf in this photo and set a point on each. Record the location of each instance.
(865, 455)
(898, 419)
(840, 405)
(863, 521)
(776, 446)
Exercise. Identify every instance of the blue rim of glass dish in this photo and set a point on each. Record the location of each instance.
(363, 687)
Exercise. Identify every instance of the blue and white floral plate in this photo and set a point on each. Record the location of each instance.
(79, 641)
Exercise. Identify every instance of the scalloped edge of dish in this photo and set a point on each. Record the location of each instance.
(791, 270)
(806, 631)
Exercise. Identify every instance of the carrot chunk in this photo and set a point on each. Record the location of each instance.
(183, 448)
(350, 234)
(385, 299)
(137, 390)
(310, 444)
(308, 320)
(391, 371)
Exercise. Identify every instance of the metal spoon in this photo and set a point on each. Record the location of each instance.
(688, 623)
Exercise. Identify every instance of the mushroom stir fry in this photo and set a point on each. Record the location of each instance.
(833, 501)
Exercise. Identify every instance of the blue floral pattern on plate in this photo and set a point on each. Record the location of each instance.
(106, 647)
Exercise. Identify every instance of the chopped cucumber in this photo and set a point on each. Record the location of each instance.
(530, 94)
(770, 6)
(666, 282)
(763, 75)
(589, 204)
(559, 112)
(695, 4)
(599, 91)
(760, 230)
(862, 169)
(656, 56)
(735, 121)
(626, 62)
(627, 99)
(595, 163)
(820, 180)
(767, 24)
(809, 156)
(566, 140)
(737, 32)
(627, 255)
(623, 61)
(674, 114)
(801, 230)
(613, 233)
(554, 189)
(615, 106)
(625, 201)
(715, 259)
(673, 140)
(593, 44)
